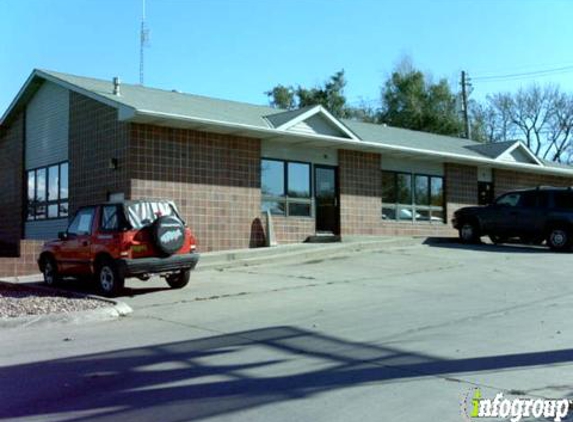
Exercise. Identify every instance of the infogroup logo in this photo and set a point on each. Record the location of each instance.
(475, 406)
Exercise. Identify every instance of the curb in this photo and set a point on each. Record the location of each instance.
(116, 310)
(282, 254)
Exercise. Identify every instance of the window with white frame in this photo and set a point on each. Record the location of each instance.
(286, 188)
(48, 192)
(412, 197)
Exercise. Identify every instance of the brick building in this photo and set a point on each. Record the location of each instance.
(68, 141)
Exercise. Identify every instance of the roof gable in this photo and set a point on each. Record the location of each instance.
(311, 120)
(519, 153)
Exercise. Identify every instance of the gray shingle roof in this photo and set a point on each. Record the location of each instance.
(162, 102)
(412, 139)
(281, 117)
(492, 150)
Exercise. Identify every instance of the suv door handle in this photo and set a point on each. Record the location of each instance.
(85, 243)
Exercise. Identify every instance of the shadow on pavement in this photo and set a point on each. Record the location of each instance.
(88, 286)
(455, 243)
(222, 374)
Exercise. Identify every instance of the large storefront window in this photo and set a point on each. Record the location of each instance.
(285, 187)
(48, 192)
(412, 197)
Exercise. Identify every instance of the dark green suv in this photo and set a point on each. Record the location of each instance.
(531, 216)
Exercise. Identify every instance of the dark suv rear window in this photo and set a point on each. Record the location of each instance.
(563, 200)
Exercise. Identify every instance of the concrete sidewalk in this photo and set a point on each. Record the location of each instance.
(282, 254)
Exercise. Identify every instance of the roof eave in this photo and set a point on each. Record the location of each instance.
(342, 143)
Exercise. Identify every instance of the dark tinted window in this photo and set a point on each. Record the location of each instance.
(528, 200)
(543, 199)
(563, 200)
(422, 190)
(389, 187)
(511, 199)
(404, 184)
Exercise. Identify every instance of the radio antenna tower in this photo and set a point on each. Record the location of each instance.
(143, 42)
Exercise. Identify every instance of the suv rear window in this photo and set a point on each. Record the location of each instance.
(563, 200)
(142, 214)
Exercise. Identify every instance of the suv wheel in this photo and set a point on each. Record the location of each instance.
(179, 280)
(110, 281)
(469, 232)
(559, 239)
(50, 272)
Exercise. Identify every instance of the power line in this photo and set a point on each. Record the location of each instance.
(524, 75)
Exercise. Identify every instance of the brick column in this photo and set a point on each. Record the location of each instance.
(360, 181)
(461, 187)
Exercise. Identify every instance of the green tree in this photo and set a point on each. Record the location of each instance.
(330, 95)
(411, 101)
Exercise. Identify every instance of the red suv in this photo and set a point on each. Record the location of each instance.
(117, 240)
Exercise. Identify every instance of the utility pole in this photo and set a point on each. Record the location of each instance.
(465, 84)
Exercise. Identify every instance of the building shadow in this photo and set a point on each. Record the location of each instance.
(202, 378)
(455, 243)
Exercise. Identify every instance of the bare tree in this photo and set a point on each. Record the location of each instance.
(541, 117)
(560, 129)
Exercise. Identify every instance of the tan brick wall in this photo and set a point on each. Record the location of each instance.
(507, 180)
(12, 191)
(214, 179)
(26, 263)
(96, 137)
(460, 187)
(291, 229)
(360, 181)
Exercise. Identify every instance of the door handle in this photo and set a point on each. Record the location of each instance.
(85, 243)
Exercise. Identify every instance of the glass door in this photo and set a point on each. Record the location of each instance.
(326, 199)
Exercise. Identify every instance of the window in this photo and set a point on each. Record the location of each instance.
(509, 200)
(286, 188)
(109, 218)
(412, 197)
(528, 200)
(563, 200)
(48, 192)
(82, 222)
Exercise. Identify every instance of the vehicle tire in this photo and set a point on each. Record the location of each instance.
(50, 271)
(168, 234)
(179, 280)
(110, 281)
(497, 240)
(469, 232)
(559, 238)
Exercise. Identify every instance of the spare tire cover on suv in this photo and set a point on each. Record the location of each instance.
(168, 234)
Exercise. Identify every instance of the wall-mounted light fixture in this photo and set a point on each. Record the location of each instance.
(113, 164)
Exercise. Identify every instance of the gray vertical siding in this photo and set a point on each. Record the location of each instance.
(47, 125)
(45, 230)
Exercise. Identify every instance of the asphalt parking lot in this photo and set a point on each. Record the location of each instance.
(403, 333)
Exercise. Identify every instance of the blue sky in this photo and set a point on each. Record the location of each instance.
(238, 49)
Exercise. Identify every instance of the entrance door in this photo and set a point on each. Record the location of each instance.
(326, 199)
